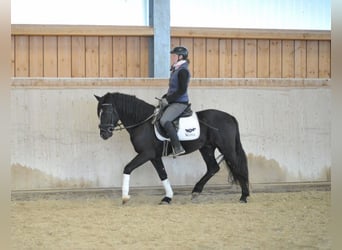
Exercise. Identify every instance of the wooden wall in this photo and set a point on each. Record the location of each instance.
(65, 52)
(107, 51)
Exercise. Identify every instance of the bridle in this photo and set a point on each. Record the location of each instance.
(111, 127)
(108, 127)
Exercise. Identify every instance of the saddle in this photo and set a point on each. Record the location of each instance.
(186, 124)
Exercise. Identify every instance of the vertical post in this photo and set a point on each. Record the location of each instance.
(160, 47)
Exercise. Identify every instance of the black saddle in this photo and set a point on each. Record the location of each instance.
(187, 112)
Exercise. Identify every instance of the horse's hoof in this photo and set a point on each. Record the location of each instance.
(125, 199)
(194, 195)
(165, 201)
(243, 200)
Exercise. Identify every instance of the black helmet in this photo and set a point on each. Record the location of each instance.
(180, 51)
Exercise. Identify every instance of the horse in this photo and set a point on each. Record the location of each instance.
(218, 130)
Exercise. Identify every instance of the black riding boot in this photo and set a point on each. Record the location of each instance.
(171, 131)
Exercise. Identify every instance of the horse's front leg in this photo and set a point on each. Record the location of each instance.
(133, 164)
(159, 166)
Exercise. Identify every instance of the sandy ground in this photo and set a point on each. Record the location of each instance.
(289, 220)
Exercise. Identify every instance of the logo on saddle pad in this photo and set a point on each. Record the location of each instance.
(188, 129)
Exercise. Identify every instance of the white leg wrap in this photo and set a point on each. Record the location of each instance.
(125, 186)
(168, 188)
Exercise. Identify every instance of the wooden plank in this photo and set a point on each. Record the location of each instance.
(106, 56)
(300, 59)
(133, 57)
(119, 57)
(174, 42)
(36, 56)
(199, 57)
(312, 59)
(78, 56)
(92, 56)
(324, 66)
(13, 55)
(238, 58)
(89, 83)
(64, 56)
(212, 57)
(189, 44)
(288, 59)
(225, 58)
(50, 56)
(200, 32)
(263, 61)
(275, 58)
(81, 30)
(250, 58)
(144, 56)
(107, 30)
(21, 56)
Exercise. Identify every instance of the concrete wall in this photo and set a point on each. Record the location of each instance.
(55, 139)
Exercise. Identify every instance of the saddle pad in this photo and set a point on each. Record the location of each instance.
(188, 130)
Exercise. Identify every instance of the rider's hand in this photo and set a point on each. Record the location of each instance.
(163, 103)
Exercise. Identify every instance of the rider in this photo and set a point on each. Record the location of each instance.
(176, 99)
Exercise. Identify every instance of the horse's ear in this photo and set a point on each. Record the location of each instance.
(97, 97)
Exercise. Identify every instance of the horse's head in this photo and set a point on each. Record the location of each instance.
(108, 116)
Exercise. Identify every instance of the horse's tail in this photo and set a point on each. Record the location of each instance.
(239, 170)
(241, 155)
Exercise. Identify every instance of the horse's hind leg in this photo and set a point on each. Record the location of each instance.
(208, 154)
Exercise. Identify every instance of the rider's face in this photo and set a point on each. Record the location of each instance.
(174, 58)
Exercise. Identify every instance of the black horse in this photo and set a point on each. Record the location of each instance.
(218, 130)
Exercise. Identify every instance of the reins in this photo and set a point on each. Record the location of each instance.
(120, 126)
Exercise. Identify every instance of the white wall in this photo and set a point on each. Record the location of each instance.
(250, 14)
(56, 143)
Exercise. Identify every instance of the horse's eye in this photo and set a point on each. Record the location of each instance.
(110, 129)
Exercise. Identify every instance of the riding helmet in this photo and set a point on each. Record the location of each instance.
(180, 51)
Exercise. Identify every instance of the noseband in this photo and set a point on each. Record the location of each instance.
(108, 127)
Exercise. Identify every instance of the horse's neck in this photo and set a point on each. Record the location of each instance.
(132, 112)
(127, 119)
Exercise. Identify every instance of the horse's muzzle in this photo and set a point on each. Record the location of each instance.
(105, 134)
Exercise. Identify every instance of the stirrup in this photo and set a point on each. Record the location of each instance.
(178, 152)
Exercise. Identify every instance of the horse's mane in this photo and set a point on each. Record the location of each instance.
(132, 107)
